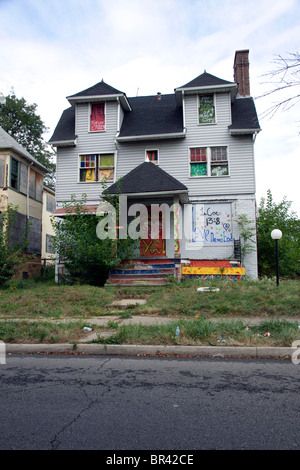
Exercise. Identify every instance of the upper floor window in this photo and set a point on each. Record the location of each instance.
(97, 119)
(209, 161)
(14, 173)
(207, 112)
(97, 167)
(152, 156)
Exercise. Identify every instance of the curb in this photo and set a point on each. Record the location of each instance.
(150, 350)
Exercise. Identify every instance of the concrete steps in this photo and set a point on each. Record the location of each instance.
(142, 272)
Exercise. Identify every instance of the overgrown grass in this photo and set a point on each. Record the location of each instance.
(41, 332)
(207, 332)
(28, 299)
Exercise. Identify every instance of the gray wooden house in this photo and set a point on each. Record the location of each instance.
(189, 153)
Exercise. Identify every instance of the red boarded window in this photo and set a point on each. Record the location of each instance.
(198, 155)
(97, 117)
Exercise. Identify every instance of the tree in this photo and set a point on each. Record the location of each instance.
(285, 82)
(19, 119)
(87, 257)
(11, 256)
(279, 216)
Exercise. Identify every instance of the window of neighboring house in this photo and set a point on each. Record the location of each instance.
(97, 118)
(207, 112)
(209, 161)
(152, 156)
(49, 244)
(97, 167)
(50, 203)
(14, 173)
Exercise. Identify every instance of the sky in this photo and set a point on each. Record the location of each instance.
(52, 49)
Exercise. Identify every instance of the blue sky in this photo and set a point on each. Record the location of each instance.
(51, 49)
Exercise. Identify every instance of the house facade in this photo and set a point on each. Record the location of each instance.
(21, 185)
(186, 156)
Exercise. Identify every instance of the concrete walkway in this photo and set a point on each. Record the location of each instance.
(83, 346)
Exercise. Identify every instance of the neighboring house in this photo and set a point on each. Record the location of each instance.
(21, 184)
(49, 206)
(191, 150)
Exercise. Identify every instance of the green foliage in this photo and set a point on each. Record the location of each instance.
(10, 255)
(19, 119)
(279, 216)
(247, 234)
(87, 257)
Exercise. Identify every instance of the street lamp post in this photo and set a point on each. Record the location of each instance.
(276, 235)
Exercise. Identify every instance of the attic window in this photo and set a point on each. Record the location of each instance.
(207, 114)
(152, 156)
(97, 119)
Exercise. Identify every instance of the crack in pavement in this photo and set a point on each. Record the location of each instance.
(55, 442)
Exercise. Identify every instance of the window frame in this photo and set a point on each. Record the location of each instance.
(90, 116)
(209, 162)
(17, 188)
(147, 159)
(198, 109)
(97, 168)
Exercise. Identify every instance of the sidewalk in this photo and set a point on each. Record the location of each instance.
(84, 347)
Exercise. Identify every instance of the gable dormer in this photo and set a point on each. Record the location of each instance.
(96, 99)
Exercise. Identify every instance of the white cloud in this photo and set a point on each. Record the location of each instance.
(53, 49)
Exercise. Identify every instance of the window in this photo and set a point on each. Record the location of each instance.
(152, 156)
(49, 244)
(207, 114)
(219, 162)
(208, 161)
(97, 119)
(14, 173)
(96, 167)
(50, 203)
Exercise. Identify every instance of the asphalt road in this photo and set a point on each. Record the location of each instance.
(64, 402)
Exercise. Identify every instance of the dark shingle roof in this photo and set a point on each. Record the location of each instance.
(65, 129)
(244, 115)
(152, 116)
(205, 80)
(100, 89)
(8, 142)
(146, 178)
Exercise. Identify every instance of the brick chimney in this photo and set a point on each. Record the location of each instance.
(241, 72)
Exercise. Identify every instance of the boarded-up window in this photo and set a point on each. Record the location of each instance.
(32, 184)
(97, 167)
(23, 178)
(2, 171)
(50, 204)
(39, 187)
(14, 173)
(206, 109)
(97, 122)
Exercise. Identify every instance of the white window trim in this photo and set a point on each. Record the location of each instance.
(215, 106)
(96, 153)
(152, 150)
(89, 118)
(208, 161)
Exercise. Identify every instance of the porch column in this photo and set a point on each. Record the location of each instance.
(177, 227)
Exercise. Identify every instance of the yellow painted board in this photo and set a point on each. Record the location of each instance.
(213, 271)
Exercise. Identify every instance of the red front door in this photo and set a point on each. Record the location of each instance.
(153, 247)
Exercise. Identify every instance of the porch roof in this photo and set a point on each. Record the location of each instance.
(146, 179)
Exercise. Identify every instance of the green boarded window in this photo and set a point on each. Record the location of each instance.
(209, 161)
(207, 113)
(198, 169)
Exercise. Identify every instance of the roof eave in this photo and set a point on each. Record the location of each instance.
(232, 87)
(244, 131)
(97, 98)
(64, 143)
(182, 193)
(171, 135)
